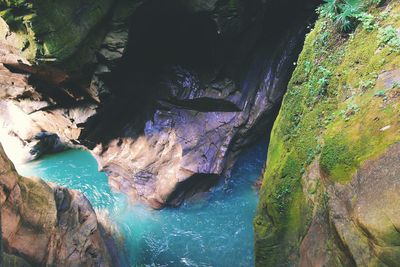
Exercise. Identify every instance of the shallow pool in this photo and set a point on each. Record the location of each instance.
(214, 230)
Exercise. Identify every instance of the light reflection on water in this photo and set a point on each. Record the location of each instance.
(215, 230)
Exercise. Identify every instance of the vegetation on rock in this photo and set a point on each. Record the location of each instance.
(50, 30)
(347, 14)
(341, 108)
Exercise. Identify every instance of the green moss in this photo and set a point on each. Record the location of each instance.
(292, 168)
(61, 26)
(16, 13)
(337, 160)
(53, 30)
(330, 110)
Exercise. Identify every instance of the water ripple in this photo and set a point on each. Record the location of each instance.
(214, 231)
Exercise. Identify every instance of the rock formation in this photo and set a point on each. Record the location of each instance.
(330, 194)
(47, 31)
(168, 108)
(165, 94)
(46, 225)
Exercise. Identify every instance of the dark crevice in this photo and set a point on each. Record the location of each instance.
(203, 104)
(178, 60)
(197, 183)
(167, 34)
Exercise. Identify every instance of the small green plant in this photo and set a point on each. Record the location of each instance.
(323, 81)
(366, 84)
(347, 14)
(383, 15)
(380, 93)
(308, 67)
(323, 37)
(389, 36)
(329, 119)
(317, 85)
(367, 20)
(282, 195)
(342, 12)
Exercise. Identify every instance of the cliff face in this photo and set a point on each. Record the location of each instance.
(331, 190)
(168, 108)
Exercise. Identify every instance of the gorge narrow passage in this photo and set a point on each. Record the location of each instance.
(137, 124)
(167, 122)
(190, 92)
(214, 229)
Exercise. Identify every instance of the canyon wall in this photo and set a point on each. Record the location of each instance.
(331, 190)
(164, 109)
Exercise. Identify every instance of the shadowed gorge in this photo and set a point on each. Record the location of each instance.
(161, 97)
(178, 90)
(184, 67)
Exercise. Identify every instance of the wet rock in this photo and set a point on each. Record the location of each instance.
(46, 226)
(112, 48)
(185, 123)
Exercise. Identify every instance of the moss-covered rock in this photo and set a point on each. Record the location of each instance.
(50, 30)
(341, 108)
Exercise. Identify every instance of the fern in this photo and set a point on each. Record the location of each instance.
(346, 14)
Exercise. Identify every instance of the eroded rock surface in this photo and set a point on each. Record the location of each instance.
(37, 116)
(359, 222)
(366, 212)
(174, 129)
(48, 226)
(168, 108)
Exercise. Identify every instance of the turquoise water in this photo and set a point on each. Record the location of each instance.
(214, 230)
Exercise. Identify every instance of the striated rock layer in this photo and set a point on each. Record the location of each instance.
(331, 190)
(168, 108)
(47, 226)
